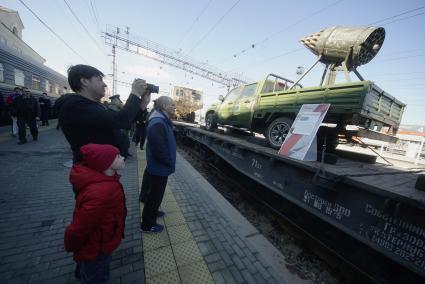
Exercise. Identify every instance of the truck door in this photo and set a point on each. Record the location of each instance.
(244, 106)
(225, 111)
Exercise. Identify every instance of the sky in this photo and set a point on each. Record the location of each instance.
(221, 33)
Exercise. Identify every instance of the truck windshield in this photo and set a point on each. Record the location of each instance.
(233, 94)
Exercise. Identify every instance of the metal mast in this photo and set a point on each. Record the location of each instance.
(172, 58)
(114, 65)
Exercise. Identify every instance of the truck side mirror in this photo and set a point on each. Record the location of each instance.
(221, 98)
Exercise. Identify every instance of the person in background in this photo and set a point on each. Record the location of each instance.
(12, 109)
(45, 109)
(121, 135)
(116, 104)
(139, 135)
(99, 216)
(2, 106)
(161, 160)
(27, 111)
(146, 186)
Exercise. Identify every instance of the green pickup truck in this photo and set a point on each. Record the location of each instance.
(270, 106)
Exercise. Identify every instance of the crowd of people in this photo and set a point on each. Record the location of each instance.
(99, 140)
(98, 134)
(23, 109)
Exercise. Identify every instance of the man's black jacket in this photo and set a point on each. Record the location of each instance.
(84, 121)
(26, 107)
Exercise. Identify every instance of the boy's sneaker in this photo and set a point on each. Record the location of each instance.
(157, 228)
(160, 213)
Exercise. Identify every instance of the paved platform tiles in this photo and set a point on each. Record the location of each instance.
(172, 256)
(205, 239)
(5, 131)
(36, 203)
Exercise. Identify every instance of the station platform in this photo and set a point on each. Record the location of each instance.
(205, 239)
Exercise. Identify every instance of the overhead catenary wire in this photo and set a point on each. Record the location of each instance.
(402, 52)
(268, 59)
(402, 57)
(267, 38)
(400, 73)
(402, 19)
(52, 31)
(213, 27)
(82, 25)
(194, 22)
(94, 9)
(397, 15)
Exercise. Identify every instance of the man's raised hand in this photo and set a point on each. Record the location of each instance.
(138, 87)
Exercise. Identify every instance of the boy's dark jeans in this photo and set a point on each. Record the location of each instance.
(95, 271)
(150, 211)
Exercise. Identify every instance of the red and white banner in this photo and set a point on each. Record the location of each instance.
(298, 142)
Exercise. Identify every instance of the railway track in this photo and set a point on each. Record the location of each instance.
(346, 259)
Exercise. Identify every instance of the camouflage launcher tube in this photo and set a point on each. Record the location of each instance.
(355, 45)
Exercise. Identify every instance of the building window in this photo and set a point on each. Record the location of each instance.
(48, 88)
(35, 82)
(19, 77)
(56, 89)
(1, 72)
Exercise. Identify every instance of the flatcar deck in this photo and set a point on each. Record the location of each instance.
(393, 181)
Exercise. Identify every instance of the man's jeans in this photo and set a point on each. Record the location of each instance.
(32, 123)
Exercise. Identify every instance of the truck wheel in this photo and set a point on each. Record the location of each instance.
(277, 131)
(210, 122)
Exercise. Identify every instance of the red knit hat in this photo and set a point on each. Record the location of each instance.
(99, 157)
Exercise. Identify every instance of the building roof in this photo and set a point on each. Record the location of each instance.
(7, 10)
(412, 128)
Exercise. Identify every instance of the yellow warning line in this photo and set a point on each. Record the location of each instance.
(171, 256)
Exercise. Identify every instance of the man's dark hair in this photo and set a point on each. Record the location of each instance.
(44, 93)
(17, 88)
(77, 72)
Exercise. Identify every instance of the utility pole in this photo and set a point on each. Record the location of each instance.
(114, 64)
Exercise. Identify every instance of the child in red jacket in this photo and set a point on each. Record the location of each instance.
(99, 216)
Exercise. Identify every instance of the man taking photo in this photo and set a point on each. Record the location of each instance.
(84, 119)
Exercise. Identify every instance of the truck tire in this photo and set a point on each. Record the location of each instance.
(277, 130)
(210, 122)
